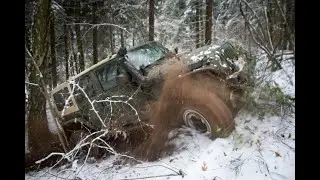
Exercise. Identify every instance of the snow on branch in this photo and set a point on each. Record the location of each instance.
(70, 156)
(97, 25)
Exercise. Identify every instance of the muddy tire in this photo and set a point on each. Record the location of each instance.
(207, 113)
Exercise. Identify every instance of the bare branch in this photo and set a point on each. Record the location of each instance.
(285, 21)
(91, 102)
(268, 31)
(256, 16)
(33, 84)
(97, 25)
(52, 154)
(251, 30)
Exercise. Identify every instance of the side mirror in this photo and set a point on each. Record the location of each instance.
(122, 52)
(142, 69)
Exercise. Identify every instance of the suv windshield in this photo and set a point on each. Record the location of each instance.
(145, 55)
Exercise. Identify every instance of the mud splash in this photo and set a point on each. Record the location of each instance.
(201, 92)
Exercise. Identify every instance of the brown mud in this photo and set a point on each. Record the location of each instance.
(197, 91)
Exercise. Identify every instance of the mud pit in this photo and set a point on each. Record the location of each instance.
(178, 94)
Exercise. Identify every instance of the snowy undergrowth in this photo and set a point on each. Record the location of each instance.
(283, 78)
(259, 148)
(274, 90)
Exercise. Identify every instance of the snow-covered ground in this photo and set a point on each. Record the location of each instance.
(259, 148)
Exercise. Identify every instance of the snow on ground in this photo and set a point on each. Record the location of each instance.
(259, 148)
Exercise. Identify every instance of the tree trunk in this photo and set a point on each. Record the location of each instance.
(80, 49)
(110, 19)
(113, 39)
(122, 38)
(66, 52)
(75, 59)
(28, 36)
(271, 17)
(71, 53)
(79, 40)
(202, 25)
(208, 30)
(94, 33)
(151, 20)
(40, 138)
(53, 52)
(290, 20)
(133, 34)
(197, 22)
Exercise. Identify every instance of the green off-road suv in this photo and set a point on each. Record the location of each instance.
(116, 92)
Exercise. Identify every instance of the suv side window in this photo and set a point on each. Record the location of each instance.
(109, 75)
(86, 83)
(60, 97)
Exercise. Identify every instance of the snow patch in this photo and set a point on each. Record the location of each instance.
(259, 148)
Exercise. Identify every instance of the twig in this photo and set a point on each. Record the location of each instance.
(268, 32)
(97, 25)
(91, 103)
(251, 30)
(256, 16)
(51, 154)
(285, 21)
(291, 148)
(33, 84)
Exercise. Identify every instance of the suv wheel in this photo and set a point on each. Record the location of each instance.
(204, 111)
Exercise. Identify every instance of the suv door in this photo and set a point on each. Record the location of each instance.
(121, 98)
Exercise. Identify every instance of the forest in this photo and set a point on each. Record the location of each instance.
(66, 37)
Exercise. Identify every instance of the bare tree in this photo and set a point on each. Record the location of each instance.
(53, 51)
(197, 21)
(122, 38)
(208, 30)
(110, 19)
(74, 54)
(151, 19)
(78, 34)
(202, 19)
(40, 138)
(66, 51)
(94, 33)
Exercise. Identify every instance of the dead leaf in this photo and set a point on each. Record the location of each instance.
(277, 154)
(204, 166)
